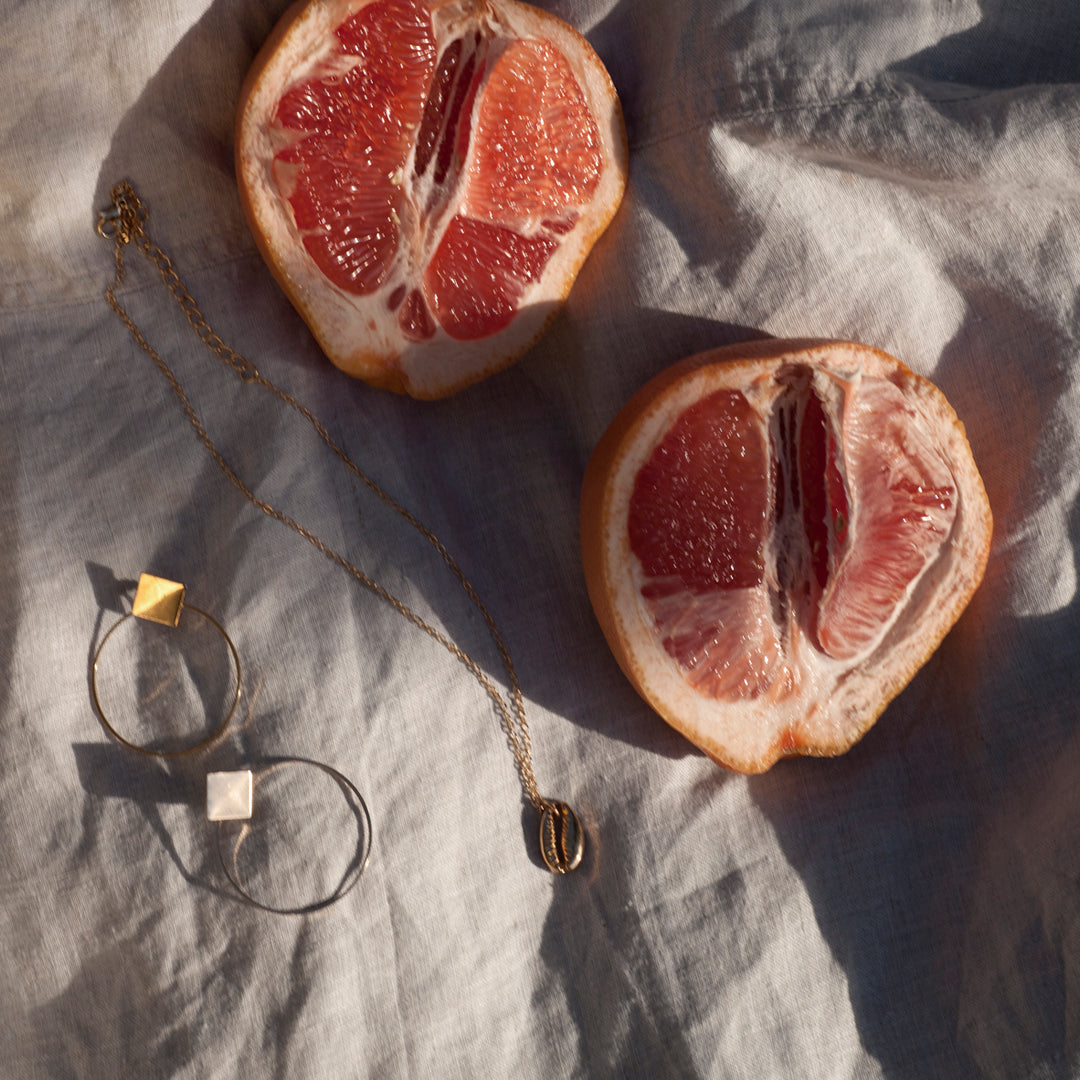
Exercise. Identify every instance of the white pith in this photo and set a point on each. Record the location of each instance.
(826, 704)
(361, 334)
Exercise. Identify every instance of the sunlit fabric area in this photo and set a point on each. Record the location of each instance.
(316, 759)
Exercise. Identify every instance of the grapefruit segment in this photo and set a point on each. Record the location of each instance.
(478, 274)
(345, 131)
(700, 505)
(425, 178)
(723, 639)
(775, 537)
(903, 517)
(537, 147)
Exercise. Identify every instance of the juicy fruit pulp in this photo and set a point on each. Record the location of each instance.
(445, 167)
(353, 139)
(780, 539)
(721, 509)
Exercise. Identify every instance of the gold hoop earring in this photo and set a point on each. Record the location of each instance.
(230, 798)
(158, 600)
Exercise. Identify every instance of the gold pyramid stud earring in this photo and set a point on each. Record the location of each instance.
(158, 600)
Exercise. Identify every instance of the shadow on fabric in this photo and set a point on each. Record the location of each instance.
(106, 1024)
(176, 145)
(108, 772)
(1013, 45)
(176, 142)
(938, 854)
(603, 959)
(933, 851)
(933, 855)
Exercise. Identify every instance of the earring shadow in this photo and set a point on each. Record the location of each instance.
(110, 772)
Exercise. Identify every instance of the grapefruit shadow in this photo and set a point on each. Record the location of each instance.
(175, 142)
(572, 402)
(911, 846)
(901, 854)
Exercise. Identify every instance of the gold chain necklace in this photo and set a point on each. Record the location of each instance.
(562, 839)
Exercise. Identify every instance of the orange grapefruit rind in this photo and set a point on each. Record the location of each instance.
(361, 334)
(811, 703)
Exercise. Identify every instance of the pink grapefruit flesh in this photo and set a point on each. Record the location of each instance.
(425, 179)
(776, 537)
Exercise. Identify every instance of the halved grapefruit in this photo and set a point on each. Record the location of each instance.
(425, 178)
(776, 536)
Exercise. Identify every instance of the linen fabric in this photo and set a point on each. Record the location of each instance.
(902, 174)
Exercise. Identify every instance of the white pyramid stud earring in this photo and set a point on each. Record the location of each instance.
(228, 795)
(232, 797)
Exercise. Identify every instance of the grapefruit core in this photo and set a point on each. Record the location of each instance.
(776, 536)
(425, 178)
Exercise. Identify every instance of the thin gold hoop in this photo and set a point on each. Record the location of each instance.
(162, 601)
(244, 811)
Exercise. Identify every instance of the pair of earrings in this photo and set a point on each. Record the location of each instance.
(230, 796)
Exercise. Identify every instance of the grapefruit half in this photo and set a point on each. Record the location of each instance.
(776, 536)
(425, 178)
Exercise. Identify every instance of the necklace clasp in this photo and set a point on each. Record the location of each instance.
(107, 222)
(123, 220)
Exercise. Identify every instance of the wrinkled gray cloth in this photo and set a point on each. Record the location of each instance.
(905, 174)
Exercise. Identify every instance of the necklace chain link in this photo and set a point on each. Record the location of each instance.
(125, 223)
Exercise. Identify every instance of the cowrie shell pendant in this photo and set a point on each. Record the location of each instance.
(562, 839)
